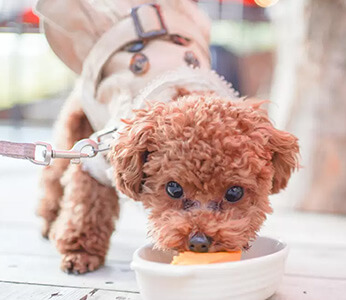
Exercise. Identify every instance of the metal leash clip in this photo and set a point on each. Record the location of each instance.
(104, 139)
(86, 148)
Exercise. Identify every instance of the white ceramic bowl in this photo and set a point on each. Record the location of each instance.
(256, 277)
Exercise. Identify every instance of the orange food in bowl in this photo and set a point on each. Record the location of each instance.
(193, 258)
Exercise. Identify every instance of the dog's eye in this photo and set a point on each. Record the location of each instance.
(234, 194)
(174, 189)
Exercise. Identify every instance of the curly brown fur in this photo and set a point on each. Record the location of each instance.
(72, 125)
(86, 221)
(207, 145)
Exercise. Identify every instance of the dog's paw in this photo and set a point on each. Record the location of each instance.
(80, 262)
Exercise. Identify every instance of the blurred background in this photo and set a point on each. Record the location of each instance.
(292, 52)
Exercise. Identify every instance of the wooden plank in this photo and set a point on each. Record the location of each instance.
(45, 270)
(12, 291)
(111, 295)
(309, 288)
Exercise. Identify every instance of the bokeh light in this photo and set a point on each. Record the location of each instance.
(266, 3)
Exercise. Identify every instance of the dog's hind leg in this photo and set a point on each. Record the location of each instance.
(86, 221)
(72, 125)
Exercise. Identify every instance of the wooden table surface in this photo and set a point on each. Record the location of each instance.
(29, 265)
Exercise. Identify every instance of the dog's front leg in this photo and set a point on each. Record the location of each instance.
(86, 221)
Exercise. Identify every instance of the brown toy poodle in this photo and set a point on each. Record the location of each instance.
(204, 165)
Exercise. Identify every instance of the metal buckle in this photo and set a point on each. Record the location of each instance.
(102, 133)
(103, 143)
(46, 153)
(139, 28)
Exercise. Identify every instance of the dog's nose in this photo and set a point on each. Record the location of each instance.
(199, 243)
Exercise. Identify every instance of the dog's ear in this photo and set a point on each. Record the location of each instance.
(283, 146)
(131, 151)
(285, 151)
